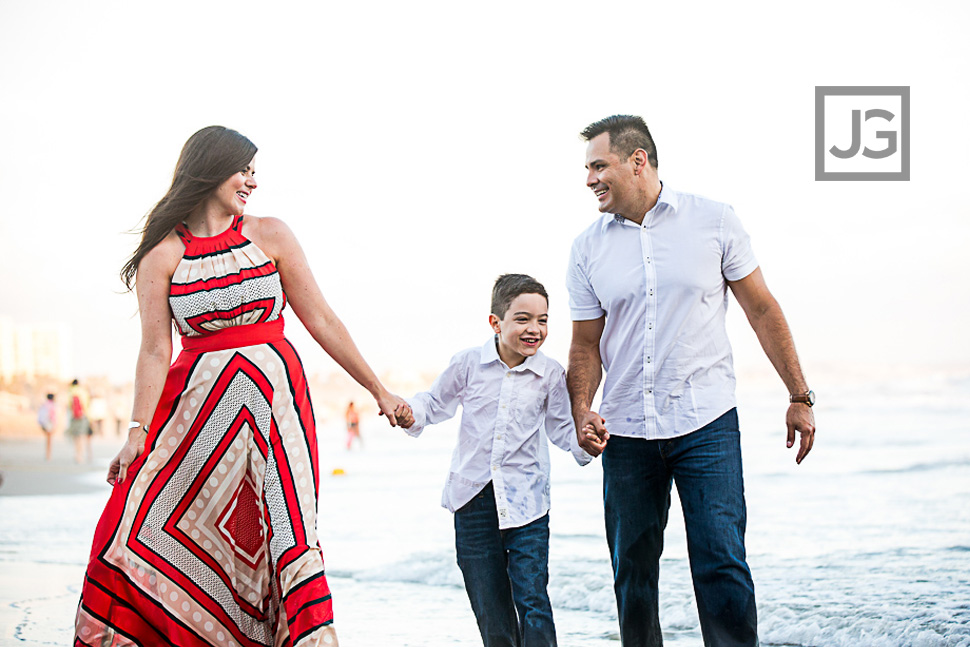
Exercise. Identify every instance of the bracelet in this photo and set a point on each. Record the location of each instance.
(134, 425)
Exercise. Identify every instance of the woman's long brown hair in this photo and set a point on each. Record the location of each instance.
(208, 159)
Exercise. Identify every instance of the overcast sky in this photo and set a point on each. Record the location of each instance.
(420, 149)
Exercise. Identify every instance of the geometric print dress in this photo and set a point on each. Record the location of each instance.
(211, 539)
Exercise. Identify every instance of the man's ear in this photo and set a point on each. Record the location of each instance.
(495, 323)
(640, 161)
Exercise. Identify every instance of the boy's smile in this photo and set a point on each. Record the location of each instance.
(523, 328)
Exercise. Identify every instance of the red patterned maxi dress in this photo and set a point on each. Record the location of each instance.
(211, 539)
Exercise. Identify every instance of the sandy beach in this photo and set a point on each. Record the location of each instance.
(39, 592)
(866, 544)
(36, 597)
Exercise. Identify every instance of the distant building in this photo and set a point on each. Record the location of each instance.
(30, 351)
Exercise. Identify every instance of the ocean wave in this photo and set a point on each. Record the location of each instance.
(921, 467)
(863, 625)
(429, 568)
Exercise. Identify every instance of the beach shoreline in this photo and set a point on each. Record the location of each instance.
(858, 544)
(35, 596)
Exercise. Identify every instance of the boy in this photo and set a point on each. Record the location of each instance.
(513, 397)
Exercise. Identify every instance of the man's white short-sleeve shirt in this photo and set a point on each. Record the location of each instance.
(662, 288)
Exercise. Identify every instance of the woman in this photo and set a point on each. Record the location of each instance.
(47, 419)
(353, 426)
(78, 423)
(209, 537)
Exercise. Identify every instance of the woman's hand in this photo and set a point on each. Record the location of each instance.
(133, 448)
(396, 409)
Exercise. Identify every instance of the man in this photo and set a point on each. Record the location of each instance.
(648, 294)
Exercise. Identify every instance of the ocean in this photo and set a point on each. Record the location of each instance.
(867, 543)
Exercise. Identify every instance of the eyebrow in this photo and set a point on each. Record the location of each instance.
(529, 314)
(595, 161)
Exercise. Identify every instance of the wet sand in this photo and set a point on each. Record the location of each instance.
(36, 598)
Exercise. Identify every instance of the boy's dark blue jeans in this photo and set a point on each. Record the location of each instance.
(506, 573)
(706, 466)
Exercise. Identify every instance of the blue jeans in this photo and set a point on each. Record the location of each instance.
(637, 476)
(506, 573)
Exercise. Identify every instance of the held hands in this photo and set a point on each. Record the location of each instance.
(800, 418)
(405, 417)
(396, 409)
(134, 446)
(591, 433)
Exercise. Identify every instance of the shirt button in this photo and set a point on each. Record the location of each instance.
(505, 406)
(509, 374)
(648, 360)
(494, 467)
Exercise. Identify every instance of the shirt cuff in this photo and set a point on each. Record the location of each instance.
(581, 456)
(420, 419)
(586, 314)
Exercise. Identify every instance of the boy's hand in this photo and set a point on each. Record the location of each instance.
(591, 433)
(405, 417)
(394, 407)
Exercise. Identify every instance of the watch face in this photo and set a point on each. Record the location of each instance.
(811, 398)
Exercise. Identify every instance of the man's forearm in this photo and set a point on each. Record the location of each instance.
(583, 377)
(776, 340)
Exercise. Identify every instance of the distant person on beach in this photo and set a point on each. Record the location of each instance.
(210, 534)
(353, 426)
(97, 413)
(513, 398)
(78, 425)
(648, 285)
(47, 419)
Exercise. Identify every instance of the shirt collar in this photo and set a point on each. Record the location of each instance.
(535, 363)
(667, 197)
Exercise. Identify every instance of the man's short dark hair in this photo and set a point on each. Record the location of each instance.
(509, 286)
(627, 133)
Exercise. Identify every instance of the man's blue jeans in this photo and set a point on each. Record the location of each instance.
(506, 573)
(706, 466)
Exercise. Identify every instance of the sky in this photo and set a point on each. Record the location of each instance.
(420, 149)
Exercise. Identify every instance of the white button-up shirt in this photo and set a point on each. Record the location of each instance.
(507, 413)
(662, 287)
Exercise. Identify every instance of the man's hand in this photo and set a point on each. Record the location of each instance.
(800, 418)
(591, 433)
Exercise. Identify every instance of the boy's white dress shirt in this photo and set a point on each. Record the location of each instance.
(500, 439)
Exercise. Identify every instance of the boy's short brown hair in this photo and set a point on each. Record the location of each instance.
(509, 286)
